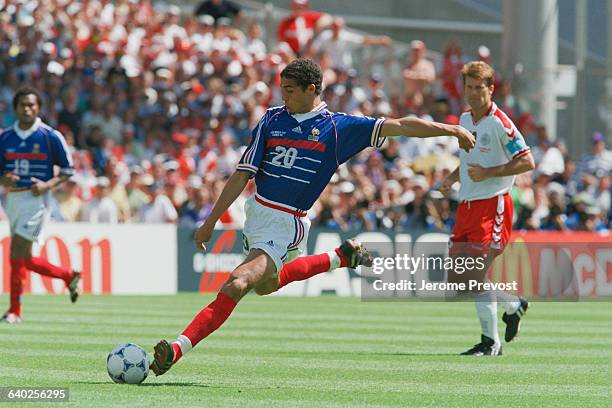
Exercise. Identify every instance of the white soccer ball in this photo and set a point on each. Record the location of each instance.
(128, 363)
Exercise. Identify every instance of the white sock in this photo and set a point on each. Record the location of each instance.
(509, 301)
(184, 343)
(334, 260)
(486, 308)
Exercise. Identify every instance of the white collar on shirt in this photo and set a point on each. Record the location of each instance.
(24, 134)
(300, 117)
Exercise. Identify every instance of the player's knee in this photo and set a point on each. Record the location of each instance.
(20, 248)
(266, 289)
(236, 287)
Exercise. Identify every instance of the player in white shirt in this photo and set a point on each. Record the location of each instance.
(484, 215)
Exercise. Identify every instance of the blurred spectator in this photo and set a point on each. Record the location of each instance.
(99, 146)
(219, 9)
(137, 198)
(599, 162)
(70, 116)
(195, 211)
(450, 74)
(556, 219)
(376, 86)
(586, 215)
(542, 145)
(101, 208)
(442, 112)
(547, 157)
(527, 126)
(339, 43)
(70, 205)
(419, 74)
(173, 187)
(159, 209)
(507, 101)
(567, 179)
(301, 26)
(118, 193)
(254, 45)
(416, 211)
(484, 54)
(602, 194)
(540, 211)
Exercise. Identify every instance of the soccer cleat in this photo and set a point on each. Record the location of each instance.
(163, 357)
(73, 286)
(513, 321)
(356, 254)
(10, 318)
(486, 347)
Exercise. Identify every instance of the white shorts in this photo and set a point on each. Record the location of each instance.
(281, 235)
(27, 213)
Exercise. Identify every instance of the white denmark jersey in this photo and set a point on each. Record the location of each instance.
(498, 141)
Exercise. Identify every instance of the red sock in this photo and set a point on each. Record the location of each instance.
(207, 321)
(43, 267)
(303, 268)
(343, 260)
(18, 272)
(178, 353)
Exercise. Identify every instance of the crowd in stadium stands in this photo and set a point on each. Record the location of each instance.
(157, 107)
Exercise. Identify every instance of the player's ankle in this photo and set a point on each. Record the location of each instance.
(181, 346)
(178, 353)
(344, 262)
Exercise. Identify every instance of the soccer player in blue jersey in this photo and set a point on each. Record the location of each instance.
(295, 150)
(29, 152)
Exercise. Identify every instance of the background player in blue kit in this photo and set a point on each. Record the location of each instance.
(295, 150)
(29, 152)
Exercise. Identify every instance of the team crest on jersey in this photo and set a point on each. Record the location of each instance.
(485, 139)
(314, 135)
(36, 148)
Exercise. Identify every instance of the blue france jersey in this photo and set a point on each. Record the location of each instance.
(33, 153)
(292, 161)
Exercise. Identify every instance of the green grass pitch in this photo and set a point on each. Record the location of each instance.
(313, 352)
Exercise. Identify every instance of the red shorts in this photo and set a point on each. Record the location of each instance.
(484, 224)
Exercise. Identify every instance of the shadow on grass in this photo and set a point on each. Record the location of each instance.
(417, 354)
(179, 384)
(154, 384)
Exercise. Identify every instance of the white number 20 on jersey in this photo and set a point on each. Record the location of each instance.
(287, 156)
(22, 167)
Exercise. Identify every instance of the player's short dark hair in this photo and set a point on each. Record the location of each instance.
(304, 71)
(26, 90)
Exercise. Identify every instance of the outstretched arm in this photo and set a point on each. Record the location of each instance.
(234, 186)
(415, 127)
